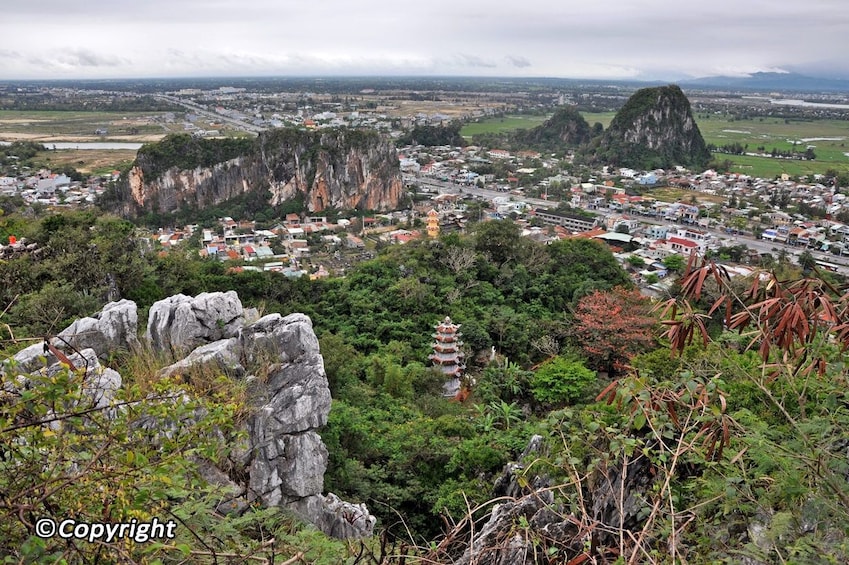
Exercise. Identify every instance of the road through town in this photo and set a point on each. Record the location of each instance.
(759, 245)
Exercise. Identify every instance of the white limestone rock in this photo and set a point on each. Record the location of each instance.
(114, 328)
(181, 323)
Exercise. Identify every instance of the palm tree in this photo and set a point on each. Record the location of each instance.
(807, 262)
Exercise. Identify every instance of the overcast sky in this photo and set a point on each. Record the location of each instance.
(641, 39)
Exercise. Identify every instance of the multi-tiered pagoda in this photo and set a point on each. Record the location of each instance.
(447, 354)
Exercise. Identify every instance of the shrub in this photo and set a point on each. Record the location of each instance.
(561, 380)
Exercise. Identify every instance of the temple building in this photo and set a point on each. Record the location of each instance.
(432, 223)
(447, 355)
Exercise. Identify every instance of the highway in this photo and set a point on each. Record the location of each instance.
(214, 116)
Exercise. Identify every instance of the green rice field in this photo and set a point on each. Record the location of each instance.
(501, 125)
(829, 140)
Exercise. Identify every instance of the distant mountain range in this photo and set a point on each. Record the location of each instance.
(770, 81)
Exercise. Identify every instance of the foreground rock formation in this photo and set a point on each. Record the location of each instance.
(285, 459)
(530, 525)
(341, 169)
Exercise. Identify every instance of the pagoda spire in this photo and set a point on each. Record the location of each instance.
(447, 354)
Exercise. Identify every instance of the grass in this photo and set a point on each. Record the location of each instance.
(783, 135)
(669, 194)
(78, 125)
(604, 118)
(768, 168)
(501, 125)
(87, 161)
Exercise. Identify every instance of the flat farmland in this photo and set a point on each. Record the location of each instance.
(603, 118)
(501, 125)
(829, 140)
(53, 126)
(87, 161)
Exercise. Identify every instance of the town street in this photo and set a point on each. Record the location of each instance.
(759, 245)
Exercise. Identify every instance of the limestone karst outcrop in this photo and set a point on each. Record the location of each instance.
(181, 323)
(341, 169)
(655, 128)
(284, 458)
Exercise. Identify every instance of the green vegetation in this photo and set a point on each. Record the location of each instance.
(565, 129)
(430, 136)
(603, 118)
(828, 139)
(561, 380)
(185, 151)
(726, 453)
(654, 129)
(502, 124)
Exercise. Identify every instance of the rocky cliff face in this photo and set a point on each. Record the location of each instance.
(655, 129)
(284, 459)
(343, 169)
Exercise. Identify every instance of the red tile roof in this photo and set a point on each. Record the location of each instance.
(682, 242)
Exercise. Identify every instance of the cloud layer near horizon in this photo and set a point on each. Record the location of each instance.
(650, 39)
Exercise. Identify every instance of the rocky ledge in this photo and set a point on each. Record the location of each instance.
(278, 356)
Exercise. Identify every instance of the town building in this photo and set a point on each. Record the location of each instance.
(570, 221)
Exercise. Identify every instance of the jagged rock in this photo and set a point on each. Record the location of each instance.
(31, 359)
(501, 542)
(619, 501)
(250, 315)
(327, 169)
(297, 398)
(181, 323)
(655, 128)
(232, 495)
(223, 354)
(100, 384)
(507, 484)
(281, 339)
(115, 327)
(336, 517)
(289, 401)
(288, 468)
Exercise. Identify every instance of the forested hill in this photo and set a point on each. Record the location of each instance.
(654, 129)
(567, 128)
(339, 168)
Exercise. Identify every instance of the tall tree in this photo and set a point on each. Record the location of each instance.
(613, 326)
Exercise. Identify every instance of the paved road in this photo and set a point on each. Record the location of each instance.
(214, 116)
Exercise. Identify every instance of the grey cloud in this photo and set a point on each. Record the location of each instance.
(466, 60)
(86, 58)
(518, 61)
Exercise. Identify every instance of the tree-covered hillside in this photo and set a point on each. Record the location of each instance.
(654, 129)
(694, 442)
